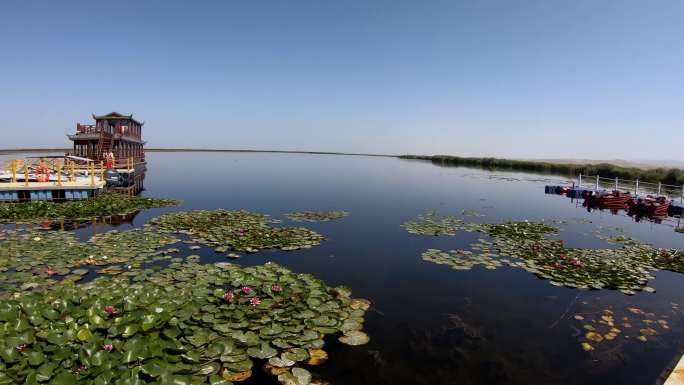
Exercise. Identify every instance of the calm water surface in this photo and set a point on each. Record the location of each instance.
(430, 324)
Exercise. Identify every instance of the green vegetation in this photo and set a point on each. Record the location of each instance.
(607, 329)
(525, 245)
(150, 318)
(315, 216)
(671, 176)
(184, 324)
(31, 259)
(102, 205)
(433, 224)
(238, 230)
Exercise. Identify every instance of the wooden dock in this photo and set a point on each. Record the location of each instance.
(81, 188)
(676, 376)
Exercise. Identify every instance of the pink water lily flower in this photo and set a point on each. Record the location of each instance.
(108, 347)
(576, 262)
(229, 296)
(246, 289)
(254, 301)
(110, 310)
(276, 289)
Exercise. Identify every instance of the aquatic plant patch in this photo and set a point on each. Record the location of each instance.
(315, 216)
(525, 245)
(433, 224)
(237, 230)
(461, 259)
(605, 330)
(30, 259)
(102, 205)
(185, 324)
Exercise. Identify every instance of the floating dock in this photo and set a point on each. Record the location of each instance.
(676, 377)
(107, 156)
(24, 181)
(50, 191)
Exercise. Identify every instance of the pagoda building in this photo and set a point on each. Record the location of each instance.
(112, 134)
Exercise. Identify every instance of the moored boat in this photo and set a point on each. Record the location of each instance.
(609, 200)
(651, 206)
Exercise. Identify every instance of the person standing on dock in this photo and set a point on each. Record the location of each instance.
(110, 160)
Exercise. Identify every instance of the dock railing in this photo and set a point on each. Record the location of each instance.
(60, 170)
(635, 187)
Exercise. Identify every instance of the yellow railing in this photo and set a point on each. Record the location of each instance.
(58, 167)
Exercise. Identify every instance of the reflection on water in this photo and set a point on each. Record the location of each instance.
(104, 223)
(430, 324)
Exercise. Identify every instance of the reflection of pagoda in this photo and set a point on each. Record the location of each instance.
(113, 133)
(112, 220)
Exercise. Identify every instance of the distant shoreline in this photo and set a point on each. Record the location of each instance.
(34, 150)
(666, 175)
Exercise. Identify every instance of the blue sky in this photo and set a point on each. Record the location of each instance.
(584, 79)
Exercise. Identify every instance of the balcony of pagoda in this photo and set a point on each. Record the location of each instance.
(93, 132)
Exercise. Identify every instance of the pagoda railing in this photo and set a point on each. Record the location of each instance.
(116, 131)
(86, 129)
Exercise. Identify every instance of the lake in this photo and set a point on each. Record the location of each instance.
(430, 324)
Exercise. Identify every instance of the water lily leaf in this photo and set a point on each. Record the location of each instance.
(192, 356)
(275, 371)
(236, 376)
(281, 362)
(271, 330)
(217, 380)
(360, 303)
(263, 351)
(84, 334)
(130, 330)
(209, 369)
(246, 338)
(240, 366)
(64, 379)
(354, 338)
(9, 354)
(46, 371)
(35, 358)
(56, 338)
(295, 354)
(99, 358)
(148, 322)
(302, 375)
(317, 357)
(297, 376)
(593, 336)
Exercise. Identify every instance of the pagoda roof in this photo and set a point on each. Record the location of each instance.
(116, 116)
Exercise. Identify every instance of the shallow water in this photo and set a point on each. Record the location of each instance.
(430, 324)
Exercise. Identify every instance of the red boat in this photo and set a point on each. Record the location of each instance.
(613, 200)
(657, 207)
(651, 206)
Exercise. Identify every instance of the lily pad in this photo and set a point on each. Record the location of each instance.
(102, 205)
(173, 322)
(238, 230)
(354, 338)
(315, 216)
